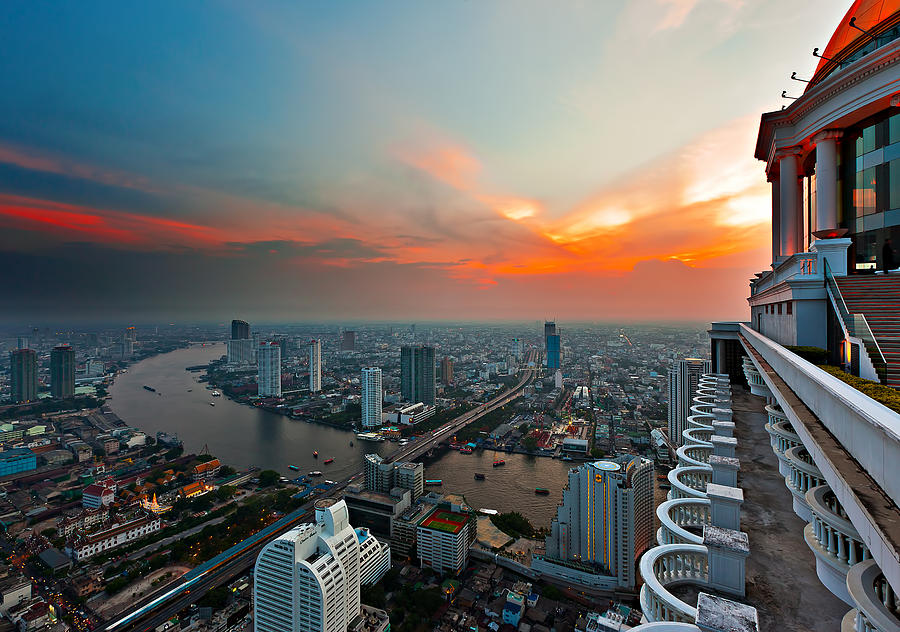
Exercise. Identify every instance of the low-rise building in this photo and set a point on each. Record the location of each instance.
(84, 520)
(17, 460)
(206, 470)
(13, 591)
(96, 495)
(81, 450)
(30, 615)
(197, 488)
(83, 547)
(108, 443)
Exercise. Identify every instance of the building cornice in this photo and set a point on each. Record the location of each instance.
(857, 73)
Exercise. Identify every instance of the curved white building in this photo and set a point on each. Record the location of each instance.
(309, 578)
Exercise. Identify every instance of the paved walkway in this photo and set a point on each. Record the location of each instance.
(781, 570)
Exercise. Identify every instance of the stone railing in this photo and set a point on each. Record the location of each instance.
(697, 435)
(833, 539)
(666, 626)
(877, 605)
(671, 565)
(801, 266)
(803, 475)
(781, 436)
(754, 379)
(675, 515)
(694, 455)
(689, 482)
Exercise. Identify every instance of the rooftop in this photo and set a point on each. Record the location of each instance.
(443, 520)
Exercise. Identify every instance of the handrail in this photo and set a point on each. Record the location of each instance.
(856, 325)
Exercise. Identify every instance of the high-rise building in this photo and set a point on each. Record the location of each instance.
(446, 371)
(605, 521)
(309, 578)
(516, 348)
(417, 373)
(22, 342)
(268, 369)
(443, 540)
(23, 374)
(549, 329)
(62, 371)
(684, 376)
(370, 402)
(240, 330)
(241, 351)
(315, 365)
(382, 477)
(130, 334)
(348, 341)
(553, 352)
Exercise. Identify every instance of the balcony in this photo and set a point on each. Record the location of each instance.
(834, 541)
(781, 436)
(803, 475)
(754, 379)
(666, 566)
(877, 605)
(682, 520)
(694, 455)
(689, 482)
(803, 266)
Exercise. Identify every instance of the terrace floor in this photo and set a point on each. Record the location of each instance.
(781, 570)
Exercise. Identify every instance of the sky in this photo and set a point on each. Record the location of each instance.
(387, 160)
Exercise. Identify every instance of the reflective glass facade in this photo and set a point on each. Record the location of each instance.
(869, 187)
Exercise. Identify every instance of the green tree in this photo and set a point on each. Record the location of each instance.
(267, 478)
(530, 444)
(552, 592)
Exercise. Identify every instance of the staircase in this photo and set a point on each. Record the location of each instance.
(877, 297)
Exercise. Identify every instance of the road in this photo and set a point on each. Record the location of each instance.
(175, 598)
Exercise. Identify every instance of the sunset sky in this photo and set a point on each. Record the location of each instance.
(450, 160)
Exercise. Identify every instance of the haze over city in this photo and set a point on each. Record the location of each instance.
(459, 160)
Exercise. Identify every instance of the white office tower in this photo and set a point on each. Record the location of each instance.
(308, 579)
(684, 376)
(268, 369)
(315, 365)
(604, 523)
(371, 397)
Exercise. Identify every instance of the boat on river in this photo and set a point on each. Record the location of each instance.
(370, 436)
(315, 473)
(479, 476)
(435, 482)
(316, 454)
(150, 388)
(329, 460)
(294, 467)
(499, 462)
(543, 491)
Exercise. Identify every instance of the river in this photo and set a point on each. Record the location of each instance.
(242, 436)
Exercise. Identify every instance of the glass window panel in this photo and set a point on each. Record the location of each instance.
(859, 146)
(894, 129)
(869, 139)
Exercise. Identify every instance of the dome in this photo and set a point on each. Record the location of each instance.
(875, 16)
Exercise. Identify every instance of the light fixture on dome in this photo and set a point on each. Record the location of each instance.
(816, 54)
(785, 95)
(859, 28)
(796, 78)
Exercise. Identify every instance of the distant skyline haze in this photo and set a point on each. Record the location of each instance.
(390, 160)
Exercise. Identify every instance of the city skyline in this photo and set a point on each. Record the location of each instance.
(473, 154)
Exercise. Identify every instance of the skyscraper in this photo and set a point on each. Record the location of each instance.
(371, 399)
(516, 349)
(309, 578)
(240, 330)
(62, 371)
(553, 352)
(605, 521)
(22, 342)
(315, 365)
(446, 371)
(268, 369)
(684, 376)
(417, 373)
(348, 341)
(23, 373)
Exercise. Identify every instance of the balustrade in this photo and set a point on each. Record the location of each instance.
(675, 515)
(803, 475)
(877, 604)
(671, 565)
(694, 455)
(689, 482)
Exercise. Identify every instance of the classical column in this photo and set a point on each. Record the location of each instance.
(789, 200)
(776, 216)
(826, 179)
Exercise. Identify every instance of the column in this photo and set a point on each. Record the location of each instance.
(826, 179)
(776, 216)
(720, 353)
(789, 198)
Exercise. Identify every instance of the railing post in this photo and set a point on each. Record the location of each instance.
(728, 550)
(716, 614)
(725, 506)
(724, 470)
(724, 446)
